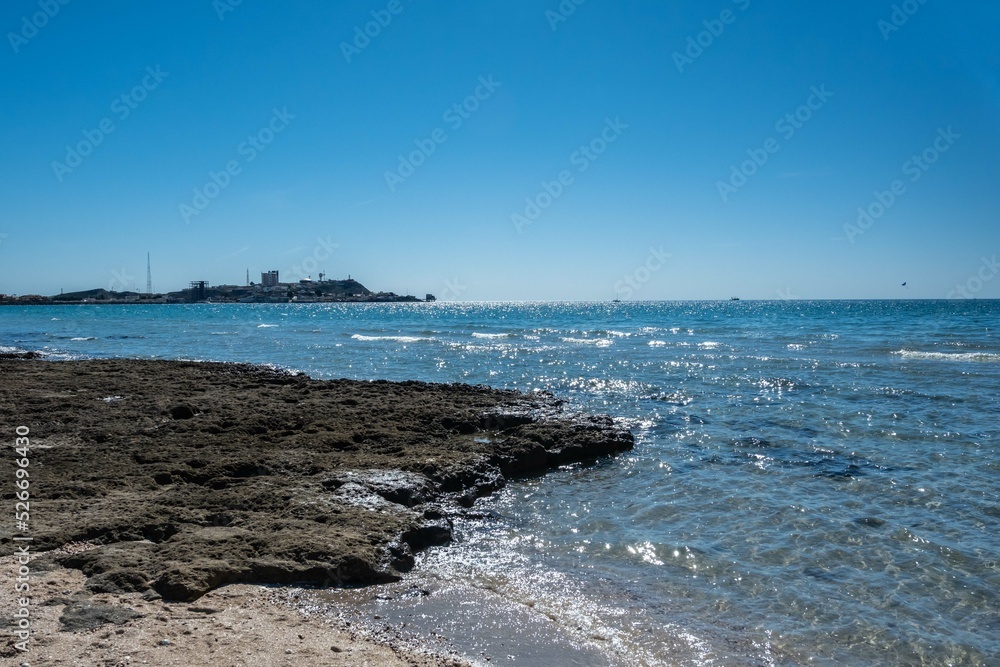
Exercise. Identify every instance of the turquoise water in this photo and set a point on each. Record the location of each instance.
(813, 482)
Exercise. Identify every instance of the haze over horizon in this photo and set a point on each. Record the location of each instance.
(572, 150)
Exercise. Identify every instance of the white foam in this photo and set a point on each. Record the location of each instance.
(596, 342)
(949, 356)
(267, 326)
(490, 335)
(397, 339)
(83, 338)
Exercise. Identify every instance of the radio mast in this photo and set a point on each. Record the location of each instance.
(149, 277)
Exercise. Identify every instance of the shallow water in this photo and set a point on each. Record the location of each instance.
(813, 482)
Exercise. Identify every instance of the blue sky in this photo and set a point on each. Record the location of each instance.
(653, 150)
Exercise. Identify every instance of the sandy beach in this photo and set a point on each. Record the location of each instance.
(176, 506)
(237, 625)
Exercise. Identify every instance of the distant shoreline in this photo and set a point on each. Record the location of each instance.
(304, 291)
(413, 299)
(105, 302)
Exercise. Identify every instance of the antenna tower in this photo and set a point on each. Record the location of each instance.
(149, 277)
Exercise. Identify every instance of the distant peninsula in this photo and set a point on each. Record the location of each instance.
(269, 290)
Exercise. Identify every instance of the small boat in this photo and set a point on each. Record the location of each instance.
(735, 298)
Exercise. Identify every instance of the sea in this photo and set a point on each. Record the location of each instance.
(813, 482)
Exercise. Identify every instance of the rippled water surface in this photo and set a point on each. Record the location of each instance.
(813, 482)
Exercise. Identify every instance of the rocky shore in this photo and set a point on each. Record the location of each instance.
(183, 477)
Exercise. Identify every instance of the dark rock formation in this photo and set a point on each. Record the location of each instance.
(196, 475)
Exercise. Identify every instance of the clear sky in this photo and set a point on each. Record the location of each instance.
(653, 150)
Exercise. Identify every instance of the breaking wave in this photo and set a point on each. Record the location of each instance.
(950, 356)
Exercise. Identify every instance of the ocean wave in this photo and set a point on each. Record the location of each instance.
(777, 384)
(674, 398)
(610, 333)
(490, 335)
(709, 345)
(657, 343)
(397, 339)
(84, 338)
(610, 385)
(596, 342)
(949, 356)
(59, 355)
(267, 326)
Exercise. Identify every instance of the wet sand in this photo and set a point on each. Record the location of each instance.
(168, 485)
(239, 625)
